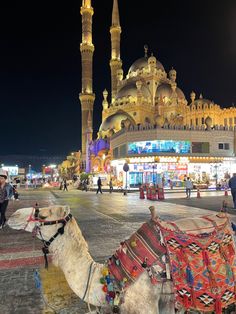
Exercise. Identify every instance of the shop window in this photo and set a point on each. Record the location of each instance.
(122, 151)
(200, 147)
(115, 152)
(224, 146)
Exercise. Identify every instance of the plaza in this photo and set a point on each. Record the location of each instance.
(105, 221)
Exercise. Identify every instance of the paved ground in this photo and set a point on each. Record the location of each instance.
(105, 220)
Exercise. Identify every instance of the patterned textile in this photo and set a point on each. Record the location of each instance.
(138, 253)
(202, 267)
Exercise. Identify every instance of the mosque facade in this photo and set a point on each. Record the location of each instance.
(147, 120)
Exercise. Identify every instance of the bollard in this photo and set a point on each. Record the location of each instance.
(141, 193)
(198, 193)
(160, 193)
(226, 191)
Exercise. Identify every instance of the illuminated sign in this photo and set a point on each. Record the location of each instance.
(141, 159)
(12, 171)
(159, 146)
(168, 159)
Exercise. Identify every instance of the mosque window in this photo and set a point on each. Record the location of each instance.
(224, 146)
(134, 114)
(203, 120)
(234, 120)
(196, 121)
(225, 121)
(230, 121)
(191, 121)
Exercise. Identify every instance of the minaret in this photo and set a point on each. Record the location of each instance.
(86, 96)
(89, 135)
(115, 62)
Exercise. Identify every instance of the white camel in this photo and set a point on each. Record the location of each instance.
(70, 253)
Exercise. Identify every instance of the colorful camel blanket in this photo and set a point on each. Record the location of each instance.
(202, 267)
(137, 254)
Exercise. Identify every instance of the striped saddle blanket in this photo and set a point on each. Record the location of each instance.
(137, 254)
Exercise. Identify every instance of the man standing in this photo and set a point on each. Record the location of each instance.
(6, 192)
(232, 186)
(99, 183)
(188, 186)
(111, 185)
(65, 185)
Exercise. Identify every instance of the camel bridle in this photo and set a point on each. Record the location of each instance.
(34, 217)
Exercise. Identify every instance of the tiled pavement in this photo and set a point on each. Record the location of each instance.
(111, 218)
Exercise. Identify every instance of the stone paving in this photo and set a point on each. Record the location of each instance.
(105, 220)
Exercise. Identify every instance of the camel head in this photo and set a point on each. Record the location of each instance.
(30, 218)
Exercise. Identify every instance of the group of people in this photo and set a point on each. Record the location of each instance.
(99, 184)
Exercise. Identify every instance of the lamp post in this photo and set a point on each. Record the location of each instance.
(126, 169)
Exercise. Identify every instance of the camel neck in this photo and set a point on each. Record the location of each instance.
(70, 253)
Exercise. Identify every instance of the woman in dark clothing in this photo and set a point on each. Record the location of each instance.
(6, 193)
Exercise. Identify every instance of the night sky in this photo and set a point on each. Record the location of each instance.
(40, 61)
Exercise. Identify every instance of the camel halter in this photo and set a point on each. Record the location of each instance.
(34, 217)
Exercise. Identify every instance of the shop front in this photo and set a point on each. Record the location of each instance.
(172, 171)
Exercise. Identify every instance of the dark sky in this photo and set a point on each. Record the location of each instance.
(40, 61)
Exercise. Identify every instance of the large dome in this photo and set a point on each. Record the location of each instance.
(130, 89)
(113, 122)
(141, 63)
(165, 90)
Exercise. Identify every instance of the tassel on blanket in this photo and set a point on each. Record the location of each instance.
(189, 275)
(186, 302)
(218, 306)
(205, 258)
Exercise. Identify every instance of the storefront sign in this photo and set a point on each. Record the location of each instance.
(141, 159)
(168, 159)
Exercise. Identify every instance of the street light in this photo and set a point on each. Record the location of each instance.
(126, 169)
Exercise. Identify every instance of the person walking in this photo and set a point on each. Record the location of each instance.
(111, 185)
(99, 184)
(232, 186)
(6, 193)
(188, 187)
(65, 185)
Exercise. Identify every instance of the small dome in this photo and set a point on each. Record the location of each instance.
(141, 63)
(165, 90)
(131, 90)
(113, 122)
(202, 101)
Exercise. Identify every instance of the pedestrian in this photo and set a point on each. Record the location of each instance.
(99, 184)
(111, 185)
(6, 193)
(232, 186)
(188, 186)
(15, 193)
(65, 185)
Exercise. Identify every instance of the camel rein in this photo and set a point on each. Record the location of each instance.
(34, 217)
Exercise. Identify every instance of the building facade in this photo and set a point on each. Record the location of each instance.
(147, 104)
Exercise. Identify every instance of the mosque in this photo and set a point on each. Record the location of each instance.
(148, 122)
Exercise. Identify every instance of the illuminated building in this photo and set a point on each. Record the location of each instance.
(147, 105)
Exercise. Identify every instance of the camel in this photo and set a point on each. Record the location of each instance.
(70, 252)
